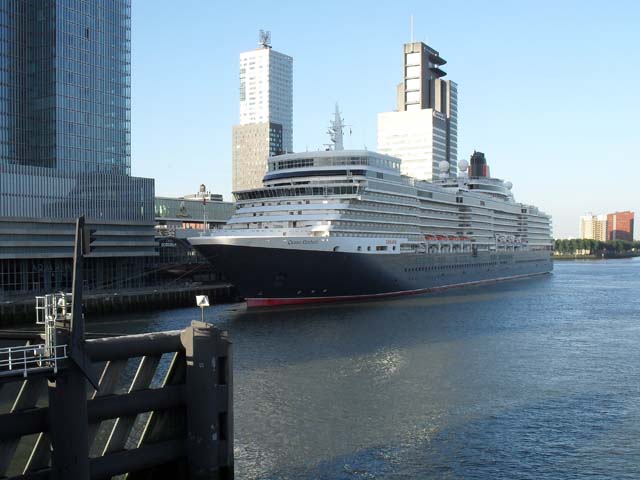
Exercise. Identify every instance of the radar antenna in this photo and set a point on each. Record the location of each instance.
(264, 38)
(335, 131)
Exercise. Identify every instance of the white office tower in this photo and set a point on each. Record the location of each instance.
(266, 113)
(423, 131)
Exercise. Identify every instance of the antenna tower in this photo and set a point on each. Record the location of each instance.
(264, 38)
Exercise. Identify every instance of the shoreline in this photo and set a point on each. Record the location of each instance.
(597, 257)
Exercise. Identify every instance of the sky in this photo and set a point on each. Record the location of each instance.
(548, 90)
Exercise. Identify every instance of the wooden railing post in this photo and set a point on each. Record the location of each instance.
(69, 424)
(208, 399)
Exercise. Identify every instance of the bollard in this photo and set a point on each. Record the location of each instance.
(208, 399)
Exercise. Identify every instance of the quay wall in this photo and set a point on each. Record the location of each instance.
(16, 312)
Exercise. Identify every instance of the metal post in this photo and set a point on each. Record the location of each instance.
(204, 215)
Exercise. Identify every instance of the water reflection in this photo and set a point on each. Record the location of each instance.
(526, 379)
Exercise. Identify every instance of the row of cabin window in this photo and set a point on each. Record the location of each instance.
(449, 267)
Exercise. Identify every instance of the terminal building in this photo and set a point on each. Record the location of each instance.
(65, 148)
(185, 216)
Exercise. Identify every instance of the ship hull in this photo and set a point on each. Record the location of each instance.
(278, 276)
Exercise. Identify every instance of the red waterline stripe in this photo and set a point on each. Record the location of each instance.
(274, 302)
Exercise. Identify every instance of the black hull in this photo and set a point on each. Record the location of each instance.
(272, 276)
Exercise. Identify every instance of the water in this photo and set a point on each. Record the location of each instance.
(534, 379)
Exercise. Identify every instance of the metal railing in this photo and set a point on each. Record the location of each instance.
(53, 311)
(30, 359)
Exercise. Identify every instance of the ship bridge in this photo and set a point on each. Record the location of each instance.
(329, 163)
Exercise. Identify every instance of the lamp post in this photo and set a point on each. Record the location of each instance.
(204, 215)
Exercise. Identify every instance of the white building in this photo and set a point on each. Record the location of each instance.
(423, 131)
(266, 113)
(417, 137)
(593, 227)
(266, 90)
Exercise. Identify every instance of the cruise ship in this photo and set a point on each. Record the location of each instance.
(343, 225)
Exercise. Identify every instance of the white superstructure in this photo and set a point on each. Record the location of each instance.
(358, 201)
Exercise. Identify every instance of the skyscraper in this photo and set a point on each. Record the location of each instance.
(620, 226)
(266, 113)
(423, 131)
(65, 103)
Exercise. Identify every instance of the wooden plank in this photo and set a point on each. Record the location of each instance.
(122, 428)
(165, 425)
(108, 384)
(139, 459)
(129, 346)
(40, 455)
(161, 424)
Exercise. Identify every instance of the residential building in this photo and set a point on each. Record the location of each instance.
(423, 131)
(65, 136)
(593, 227)
(620, 226)
(266, 113)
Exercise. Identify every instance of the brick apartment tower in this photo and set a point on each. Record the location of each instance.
(620, 226)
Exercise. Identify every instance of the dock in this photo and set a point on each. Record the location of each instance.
(21, 311)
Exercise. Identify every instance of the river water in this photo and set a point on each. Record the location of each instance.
(536, 378)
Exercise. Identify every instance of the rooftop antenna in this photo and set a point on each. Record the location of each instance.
(264, 39)
(411, 28)
(336, 133)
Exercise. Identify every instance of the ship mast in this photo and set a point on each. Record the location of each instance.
(335, 131)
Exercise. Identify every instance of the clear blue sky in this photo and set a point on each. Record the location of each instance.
(549, 90)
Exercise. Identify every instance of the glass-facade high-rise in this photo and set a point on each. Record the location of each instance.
(65, 139)
(65, 92)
